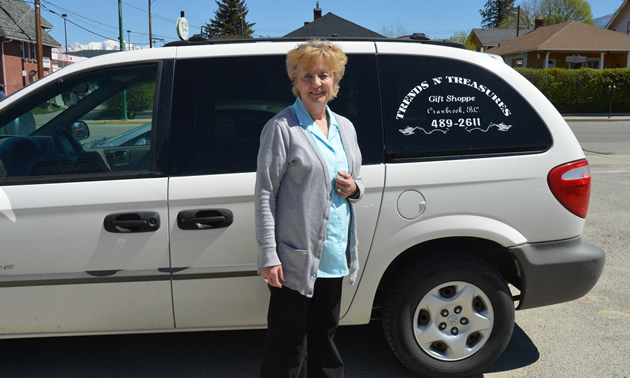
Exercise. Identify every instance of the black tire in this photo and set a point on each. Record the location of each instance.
(449, 316)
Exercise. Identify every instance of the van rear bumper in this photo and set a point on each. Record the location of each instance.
(556, 272)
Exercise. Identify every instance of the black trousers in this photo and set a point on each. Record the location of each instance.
(301, 330)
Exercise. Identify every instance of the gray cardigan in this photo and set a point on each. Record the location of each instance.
(293, 199)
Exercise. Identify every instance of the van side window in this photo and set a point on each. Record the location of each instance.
(95, 123)
(220, 106)
(435, 107)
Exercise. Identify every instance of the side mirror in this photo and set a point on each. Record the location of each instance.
(80, 130)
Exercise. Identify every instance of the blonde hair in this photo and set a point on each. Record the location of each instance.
(306, 54)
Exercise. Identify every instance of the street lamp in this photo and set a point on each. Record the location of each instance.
(129, 38)
(64, 30)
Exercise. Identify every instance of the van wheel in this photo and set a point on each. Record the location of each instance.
(450, 315)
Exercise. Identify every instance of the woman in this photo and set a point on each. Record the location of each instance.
(308, 177)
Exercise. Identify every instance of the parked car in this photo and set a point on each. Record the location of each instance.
(138, 136)
(476, 196)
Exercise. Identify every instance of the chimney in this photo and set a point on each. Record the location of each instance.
(317, 12)
(540, 22)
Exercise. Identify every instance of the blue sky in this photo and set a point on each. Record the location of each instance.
(98, 21)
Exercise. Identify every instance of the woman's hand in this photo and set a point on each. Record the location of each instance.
(273, 275)
(345, 185)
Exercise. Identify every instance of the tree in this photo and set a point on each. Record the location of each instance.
(463, 36)
(495, 12)
(559, 11)
(394, 30)
(528, 11)
(229, 21)
(552, 11)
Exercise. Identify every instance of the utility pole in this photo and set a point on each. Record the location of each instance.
(121, 37)
(518, 20)
(38, 36)
(150, 33)
(122, 48)
(240, 11)
(65, 31)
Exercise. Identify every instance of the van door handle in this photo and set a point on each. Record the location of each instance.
(203, 219)
(143, 221)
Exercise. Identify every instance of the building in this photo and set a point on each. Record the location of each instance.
(18, 45)
(485, 39)
(331, 26)
(61, 60)
(568, 45)
(620, 20)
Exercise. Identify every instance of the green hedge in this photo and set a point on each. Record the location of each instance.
(584, 90)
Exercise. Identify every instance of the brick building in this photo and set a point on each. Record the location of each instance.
(18, 45)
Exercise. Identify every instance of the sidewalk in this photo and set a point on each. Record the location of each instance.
(622, 162)
(597, 117)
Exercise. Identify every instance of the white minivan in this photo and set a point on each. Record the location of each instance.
(127, 183)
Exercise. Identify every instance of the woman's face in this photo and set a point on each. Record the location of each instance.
(315, 85)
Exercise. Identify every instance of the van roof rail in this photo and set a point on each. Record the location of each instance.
(198, 39)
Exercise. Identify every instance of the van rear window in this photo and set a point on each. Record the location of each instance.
(436, 107)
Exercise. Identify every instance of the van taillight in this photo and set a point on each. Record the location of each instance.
(571, 185)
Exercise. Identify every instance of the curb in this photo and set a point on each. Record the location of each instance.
(593, 117)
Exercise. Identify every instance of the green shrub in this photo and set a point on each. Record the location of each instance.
(584, 90)
(139, 100)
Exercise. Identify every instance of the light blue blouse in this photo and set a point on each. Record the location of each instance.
(333, 262)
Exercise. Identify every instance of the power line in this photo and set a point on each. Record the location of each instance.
(106, 28)
(89, 31)
(76, 24)
(110, 29)
(155, 16)
(67, 11)
(191, 15)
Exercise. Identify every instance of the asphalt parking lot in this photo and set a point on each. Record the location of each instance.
(591, 336)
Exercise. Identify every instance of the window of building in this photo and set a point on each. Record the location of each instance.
(592, 63)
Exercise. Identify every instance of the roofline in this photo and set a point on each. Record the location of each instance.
(7, 37)
(197, 40)
(309, 25)
(556, 50)
(578, 50)
(614, 16)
